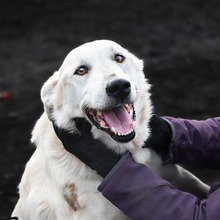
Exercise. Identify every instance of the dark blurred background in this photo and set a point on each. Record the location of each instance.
(179, 42)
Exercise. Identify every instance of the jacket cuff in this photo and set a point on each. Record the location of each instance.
(113, 171)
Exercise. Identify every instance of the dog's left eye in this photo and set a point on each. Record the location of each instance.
(81, 70)
(119, 58)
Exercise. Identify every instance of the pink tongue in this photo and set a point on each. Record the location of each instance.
(119, 119)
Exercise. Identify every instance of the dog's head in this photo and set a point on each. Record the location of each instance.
(102, 82)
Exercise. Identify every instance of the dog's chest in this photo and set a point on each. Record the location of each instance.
(84, 201)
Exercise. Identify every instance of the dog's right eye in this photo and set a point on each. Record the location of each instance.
(81, 70)
(119, 58)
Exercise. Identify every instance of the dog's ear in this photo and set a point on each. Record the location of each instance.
(139, 64)
(48, 94)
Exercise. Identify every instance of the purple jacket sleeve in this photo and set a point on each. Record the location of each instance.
(141, 194)
(196, 143)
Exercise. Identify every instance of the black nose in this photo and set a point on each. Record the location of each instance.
(119, 88)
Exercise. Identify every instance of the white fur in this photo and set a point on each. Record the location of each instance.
(51, 167)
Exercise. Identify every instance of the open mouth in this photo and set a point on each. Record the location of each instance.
(118, 122)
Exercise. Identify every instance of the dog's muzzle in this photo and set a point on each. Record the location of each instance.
(118, 120)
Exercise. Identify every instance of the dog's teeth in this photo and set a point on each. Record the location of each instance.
(128, 108)
(120, 134)
(113, 130)
(100, 114)
(129, 132)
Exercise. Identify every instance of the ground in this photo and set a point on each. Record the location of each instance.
(179, 42)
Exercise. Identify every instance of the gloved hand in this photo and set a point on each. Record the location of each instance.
(97, 156)
(90, 151)
(160, 137)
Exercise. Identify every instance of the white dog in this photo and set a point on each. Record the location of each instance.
(96, 81)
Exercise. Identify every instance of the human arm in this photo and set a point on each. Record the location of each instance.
(134, 188)
(141, 194)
